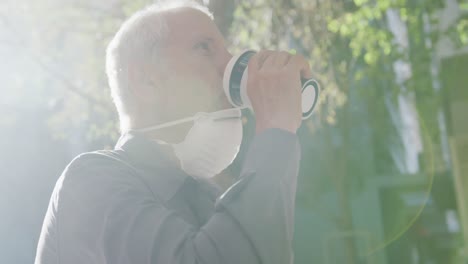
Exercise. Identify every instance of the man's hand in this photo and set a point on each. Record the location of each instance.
(274, 89)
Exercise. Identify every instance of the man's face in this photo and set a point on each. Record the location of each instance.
(196, 57)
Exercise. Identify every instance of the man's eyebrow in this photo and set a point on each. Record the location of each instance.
(209, 39)
(205, 38)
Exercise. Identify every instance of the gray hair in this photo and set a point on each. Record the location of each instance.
(137, 43)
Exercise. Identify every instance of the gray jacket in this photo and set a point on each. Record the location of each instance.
(134, 205)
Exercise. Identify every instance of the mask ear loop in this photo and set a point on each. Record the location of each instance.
(168, 124)
(185, 120)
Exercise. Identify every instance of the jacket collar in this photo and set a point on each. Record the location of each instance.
(159, 166)
(151, 153)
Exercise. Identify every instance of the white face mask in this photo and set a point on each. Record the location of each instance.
(211, 144)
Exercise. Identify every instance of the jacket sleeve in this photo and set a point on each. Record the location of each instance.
(262, 202)
(252, 223)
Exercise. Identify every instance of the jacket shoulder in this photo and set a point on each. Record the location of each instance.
(101, 160)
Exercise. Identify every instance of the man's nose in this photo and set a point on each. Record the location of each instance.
(225, 58)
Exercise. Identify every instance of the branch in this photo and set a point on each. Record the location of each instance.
(223, 13)
(68, 84)
(55, 74)
(101, 11)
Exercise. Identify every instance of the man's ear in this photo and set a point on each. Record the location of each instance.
(142, 84)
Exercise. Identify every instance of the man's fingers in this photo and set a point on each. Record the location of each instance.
(274, 90)
(270, 62)
(268, 59)
(297, 62)
(263, 56)
(252, 65)
(281, 59)
(276, 60)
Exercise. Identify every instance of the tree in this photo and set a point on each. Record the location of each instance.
(353, 52)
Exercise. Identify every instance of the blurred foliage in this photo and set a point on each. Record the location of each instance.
(346, 42)
(350, 45)
(64, 43)
(355, 54)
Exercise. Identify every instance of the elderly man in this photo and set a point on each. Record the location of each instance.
(151, 199)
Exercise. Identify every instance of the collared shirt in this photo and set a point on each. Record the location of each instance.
(135, 205)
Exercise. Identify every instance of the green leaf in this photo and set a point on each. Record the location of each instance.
(370, 58)
(463, 6)
(334, 26)
(360, 2)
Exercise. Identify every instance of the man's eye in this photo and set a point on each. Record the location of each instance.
(205, 46)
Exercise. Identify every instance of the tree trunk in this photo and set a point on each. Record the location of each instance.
(223, 11)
